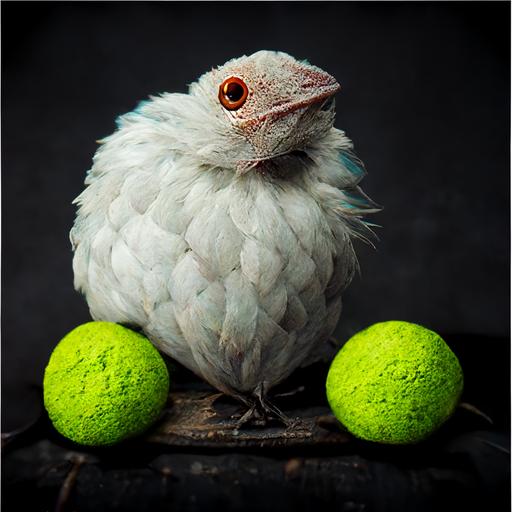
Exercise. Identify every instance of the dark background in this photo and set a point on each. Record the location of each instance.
(425, 98)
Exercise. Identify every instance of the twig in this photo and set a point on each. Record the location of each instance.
(475, 410)
(69, 482)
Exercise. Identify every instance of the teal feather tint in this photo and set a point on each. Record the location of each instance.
(347, 205)
(356, 199)
(141, 105)
(353, 167)
(137, 112)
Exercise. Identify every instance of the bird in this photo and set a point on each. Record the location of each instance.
(221, 223)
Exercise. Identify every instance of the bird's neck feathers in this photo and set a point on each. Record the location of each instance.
(166, 138)
(178, 125)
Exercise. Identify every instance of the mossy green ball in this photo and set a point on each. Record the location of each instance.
(104, 383)
(394, 382)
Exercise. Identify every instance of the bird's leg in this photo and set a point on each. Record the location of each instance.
(252, 415)
(270, 410)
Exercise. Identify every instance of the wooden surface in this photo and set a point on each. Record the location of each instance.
(196, 458)
(204, 420)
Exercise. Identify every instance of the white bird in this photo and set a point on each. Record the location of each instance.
(220, 223)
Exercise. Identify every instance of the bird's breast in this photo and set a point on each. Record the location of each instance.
(237, 279)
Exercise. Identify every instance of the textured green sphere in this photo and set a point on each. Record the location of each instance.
(104, 383)
(394, 382)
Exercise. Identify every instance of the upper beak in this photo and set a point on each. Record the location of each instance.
(314, 80)
(316, 86)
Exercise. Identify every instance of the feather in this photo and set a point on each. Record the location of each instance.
(275, 302)
(352, 165)
(261, 265)
(358, 202)
(241, 314)
(185, 280)
(212, 236)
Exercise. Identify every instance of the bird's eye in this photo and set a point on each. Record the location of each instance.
(233, 93)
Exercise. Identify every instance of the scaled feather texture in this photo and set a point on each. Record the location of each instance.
(225, 234)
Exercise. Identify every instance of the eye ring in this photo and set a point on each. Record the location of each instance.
(232, 93)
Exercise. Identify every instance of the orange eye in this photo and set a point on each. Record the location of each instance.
(233, 93)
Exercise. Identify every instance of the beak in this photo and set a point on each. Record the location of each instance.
(316, 86)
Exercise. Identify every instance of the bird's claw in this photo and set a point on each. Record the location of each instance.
(261, 412)
(260, 416)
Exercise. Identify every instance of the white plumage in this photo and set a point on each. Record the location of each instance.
(226, 234)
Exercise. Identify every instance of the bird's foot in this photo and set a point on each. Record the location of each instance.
(263, 415)
(262, 412)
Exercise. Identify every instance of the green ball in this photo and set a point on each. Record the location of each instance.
(104, 383)
(394, 382)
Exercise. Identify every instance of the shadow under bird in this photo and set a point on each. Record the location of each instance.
(220, 223)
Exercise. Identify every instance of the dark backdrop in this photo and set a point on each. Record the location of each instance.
(425, 97)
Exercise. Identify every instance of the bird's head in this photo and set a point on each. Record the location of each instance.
(263, 107)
